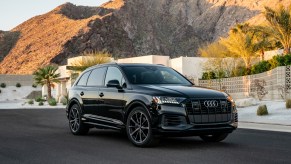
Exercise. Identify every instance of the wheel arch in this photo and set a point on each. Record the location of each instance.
(134, 104)
(73, 102)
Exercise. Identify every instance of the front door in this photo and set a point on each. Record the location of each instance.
(112, 98)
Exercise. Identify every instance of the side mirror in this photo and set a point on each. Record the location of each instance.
(114, 83)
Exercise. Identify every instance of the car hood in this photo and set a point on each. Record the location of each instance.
(181, 91)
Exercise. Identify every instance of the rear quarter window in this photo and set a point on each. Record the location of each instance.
(83, 80)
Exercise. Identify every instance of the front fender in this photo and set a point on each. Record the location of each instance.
(140, 100)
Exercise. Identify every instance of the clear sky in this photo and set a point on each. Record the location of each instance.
(14, 12)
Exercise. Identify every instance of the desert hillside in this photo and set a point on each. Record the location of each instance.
(124, 28)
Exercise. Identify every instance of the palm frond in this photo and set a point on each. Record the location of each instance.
(89, 59)
(279, 25)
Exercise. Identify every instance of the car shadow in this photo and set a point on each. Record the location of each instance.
(193, 142)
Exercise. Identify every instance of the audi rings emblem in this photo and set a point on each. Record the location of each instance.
(211, 103)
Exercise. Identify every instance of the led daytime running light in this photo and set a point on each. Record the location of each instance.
(167, 100)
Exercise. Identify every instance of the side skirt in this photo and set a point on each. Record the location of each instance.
(101, 126)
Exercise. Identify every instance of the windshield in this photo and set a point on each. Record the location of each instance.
(153, 75)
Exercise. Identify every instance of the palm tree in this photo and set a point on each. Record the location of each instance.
(265, 41)
(244, 42)
(47, 76)
(279, 25)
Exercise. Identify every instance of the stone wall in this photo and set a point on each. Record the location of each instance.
(271, 85)
(11, 80)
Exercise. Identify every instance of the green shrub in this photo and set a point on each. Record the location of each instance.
(221, 74)
(239, 71)
(64, 100)
(39, 99)
(280, 60)
(64, 103)
(18, 85)
(288, 59)
(208, 75)
(52, 102)
(40, 103)
(30, 102)
(260, 67)
(34, 85)
(288, 103)
(3, 85)
(0, 91)
(262, 110)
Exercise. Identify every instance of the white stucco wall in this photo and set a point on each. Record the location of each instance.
(63, 71)
(189, 66)
(176, 64)
(270, 54)
(140, 59)
(164, 60)
(150, 59)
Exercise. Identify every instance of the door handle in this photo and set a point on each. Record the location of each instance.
(101, 94)
(82, 93)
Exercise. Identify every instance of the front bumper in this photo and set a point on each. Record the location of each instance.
(195, 131)
(175, 121)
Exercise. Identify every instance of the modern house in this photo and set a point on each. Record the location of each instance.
(191, 67)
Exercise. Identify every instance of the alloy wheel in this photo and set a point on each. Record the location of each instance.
(139, 127)
(74, 120)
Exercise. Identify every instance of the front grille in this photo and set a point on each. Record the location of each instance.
(235, 118)
(216, 111)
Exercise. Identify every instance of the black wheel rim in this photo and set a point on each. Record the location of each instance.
(74, 119)
(139, 127)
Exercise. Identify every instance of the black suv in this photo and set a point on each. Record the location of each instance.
(148, 102)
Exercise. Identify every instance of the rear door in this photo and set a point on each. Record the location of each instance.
(81, 90)
(95, 81)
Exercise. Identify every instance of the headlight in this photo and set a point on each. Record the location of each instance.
(229, 98)
(167, 100)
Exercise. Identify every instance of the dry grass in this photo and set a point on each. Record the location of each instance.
(89, 59)
(288, 103)
(262, 110)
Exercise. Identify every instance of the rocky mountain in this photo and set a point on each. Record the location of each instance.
(124, 28)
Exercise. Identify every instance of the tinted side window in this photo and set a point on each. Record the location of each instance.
(114, 73)
(83, 79)
(96, 78)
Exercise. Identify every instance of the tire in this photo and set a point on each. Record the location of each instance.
(139, 129)
(77, 127)
(214, 137)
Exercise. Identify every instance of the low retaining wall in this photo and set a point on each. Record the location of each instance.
(11, 80)
(271, 85)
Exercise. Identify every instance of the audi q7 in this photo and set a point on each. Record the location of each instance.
(148, 102)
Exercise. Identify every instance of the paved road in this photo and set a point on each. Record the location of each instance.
(42, 136)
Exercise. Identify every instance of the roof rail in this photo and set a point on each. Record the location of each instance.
(113, 63)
